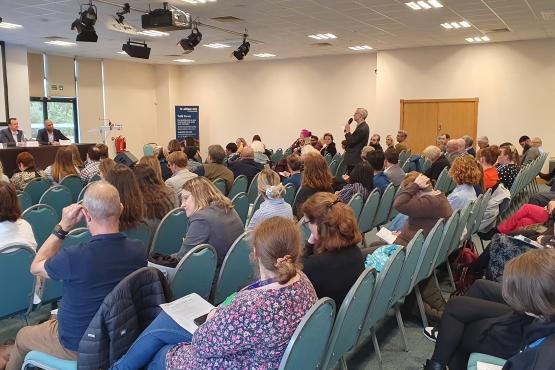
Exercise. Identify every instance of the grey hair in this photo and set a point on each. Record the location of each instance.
(468, 140)
(363, 112)
(102, 201)
(432, 153)
(483, 139)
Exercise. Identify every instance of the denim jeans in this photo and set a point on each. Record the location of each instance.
(151, 347)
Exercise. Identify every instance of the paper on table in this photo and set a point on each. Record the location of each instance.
(485, 366)
(386, 235)
(186, 309)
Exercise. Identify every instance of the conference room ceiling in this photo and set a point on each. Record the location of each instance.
(281, 27)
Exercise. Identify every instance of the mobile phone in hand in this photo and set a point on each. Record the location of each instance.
(200, 320)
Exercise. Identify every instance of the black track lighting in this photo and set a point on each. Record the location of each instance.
(188, 43)
(119, 15)
(242, 50)
(85, 24)
(136, 49)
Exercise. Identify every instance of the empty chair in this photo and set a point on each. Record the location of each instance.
(350, 318)
(170, 232)
(307, 347)
(220, 184)
(17, 284)
(24, 200)
(240, 185)
(236, 271)
(384, 208)
(43, 219)
(195, 272)
(290, 193)
(356, 203)
(58, 197)
(446, 240)
(35, 188)
(74, 184)
(253, 189)
(241, 206)
(82, 192)
(141, 232)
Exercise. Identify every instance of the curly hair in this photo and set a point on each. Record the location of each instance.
(465, 170)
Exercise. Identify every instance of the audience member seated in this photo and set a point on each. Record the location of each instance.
(376, 160)
(25, 162)
(439, 161)
(259, 152)
(272, 192)
(315, 142)
(316, 177)
(394, 173)
(309, 150)
(241, 143)
(173, 146)
(441, 141)
(91, 164)
(76, 157)
(13, 228)
(166, 172)
(63, 166)
(192, 156)
(359, 181)
(153, 163)
(513, 320)
(466, 174)
(468, 145)
(375, 142)
(389, 141)
(212, 218)
(332, 259)
(529, 152)
(507, 165)
(231, 153)
(250, 332)
(123, 179)
(528, 214)
(158, 198)
(214, 168)
(401, 138)
(293, 175)
(483, 142)
(89, 271)
(106, 165)
(329, 145)
(365, 150)
(177, 162)
(300, 142)
(246, 165)
(487, 158)
(537, 143)
(455, 148)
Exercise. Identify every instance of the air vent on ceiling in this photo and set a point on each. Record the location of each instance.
(548, 15)
(227, 19)
(321, 44)
(498, 30)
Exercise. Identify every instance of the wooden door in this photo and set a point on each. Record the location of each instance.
(458, 118)
(420, 121)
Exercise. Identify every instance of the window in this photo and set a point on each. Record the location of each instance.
(61, 111)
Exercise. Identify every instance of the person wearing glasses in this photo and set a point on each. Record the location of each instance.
(177, 163)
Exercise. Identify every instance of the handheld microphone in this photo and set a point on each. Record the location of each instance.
(350, 120)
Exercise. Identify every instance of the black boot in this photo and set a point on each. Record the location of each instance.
(432, 365)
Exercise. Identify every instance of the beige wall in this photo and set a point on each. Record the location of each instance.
(89, 102)
(18, 86)
(61, 72)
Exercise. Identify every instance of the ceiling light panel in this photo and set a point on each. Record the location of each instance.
(216, 45)
(424, 5)
(360, 47)
(194, 2)
(60, 43)
(478, 39)
(153, 33)
(456, 25)
(184, 60)
(121, 52)
(265, 55)
(323, 36)
(10, 26)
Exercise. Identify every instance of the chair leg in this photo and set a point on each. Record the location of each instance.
(377, 347)
(421, 306)
(401, 327)
(343, 363)
(451, 278)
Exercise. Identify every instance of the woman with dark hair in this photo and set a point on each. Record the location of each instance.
(76, 156)
(153, 163)
(332, 258)
(193, 161)
(164, 166)
(507, 165)
(130, 195)
(360, 181)
(63, 166)
(329, 145)
(26, 164)
(316, 177)
(105, 166)
(487, 158)
(13, 229)
(174, 146)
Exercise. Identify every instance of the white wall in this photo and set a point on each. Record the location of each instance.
(18, 86)
(514, 81)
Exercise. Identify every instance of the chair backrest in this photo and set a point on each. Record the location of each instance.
(305, 231)
(290, 193)
(368, 213)
(350, 318)
(404, 157)
(393, 212)
(195, 272)
(83, 191)
(24, 200)
(333, 166)
(42, 218)
(429, 251)
(170, 232)
(308, 344)
(443, 181)
(257, 203)
(95, 178)
(17, 284)
(386, 202)
(76, 236)
(463, 220)
(473, 214)
(142, 233)
(35, 188)
(74, 184)
(386, 282)
(406, 166)
(220, 184)
(425, 165)
(341, 168)
(240, 185)
(241, 205)
(449, 230)
(356, 203)
(58, 197)
(236, 271)
(328, 157)
(412, 254)
(253, 189)
(481, 211)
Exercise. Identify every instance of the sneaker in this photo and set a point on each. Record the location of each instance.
(431, 333)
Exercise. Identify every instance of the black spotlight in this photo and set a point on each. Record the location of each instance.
(85, 24)
(188, 43)
(136, 49)
(242, 50)
(119, 15)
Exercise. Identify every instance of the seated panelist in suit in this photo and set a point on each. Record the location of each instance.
(49, 134)
(12, 134)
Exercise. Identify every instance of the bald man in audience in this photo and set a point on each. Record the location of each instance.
(455, 148)
(246, 165)
(89, 271)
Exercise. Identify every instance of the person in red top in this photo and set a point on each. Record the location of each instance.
(487, 158)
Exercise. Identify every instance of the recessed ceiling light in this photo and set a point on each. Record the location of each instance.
(485, 38)
(451, 25)
(419, 5)
(465, 24)
(360, 47)
(184, 60)
(469, 39)
(478, 39)
(10, 26)
(121, 52)
(323, 36)
(199, 1)
(216, 45)
(60, 43)
(153, 33)
(265, 55)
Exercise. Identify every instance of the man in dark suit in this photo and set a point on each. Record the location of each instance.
(246, 165)
(49, 134)
(12, 134)
(357, 139)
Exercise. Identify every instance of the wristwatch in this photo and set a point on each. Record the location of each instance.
(59, 232)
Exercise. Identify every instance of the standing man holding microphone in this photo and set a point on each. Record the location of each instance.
(357, 139)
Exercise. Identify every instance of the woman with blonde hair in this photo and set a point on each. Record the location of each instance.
(76, 156)
(272, 191)
(63, 166)
(154, 163)
(174, 146)
(316, 177)
(241, 143)
(212, 218)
